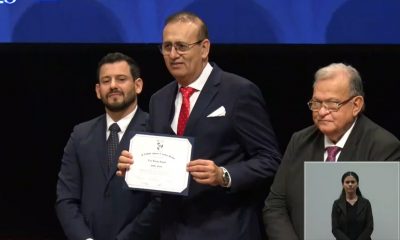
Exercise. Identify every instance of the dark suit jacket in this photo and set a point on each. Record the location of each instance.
(283, 211)
(242, 141)
(92, 201)
(364, 217)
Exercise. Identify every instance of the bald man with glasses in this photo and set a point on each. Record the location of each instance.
(340, 133)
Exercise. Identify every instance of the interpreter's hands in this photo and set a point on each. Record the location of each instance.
(205, 172)
(125, 160)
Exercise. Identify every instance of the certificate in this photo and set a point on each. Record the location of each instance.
(159, 163)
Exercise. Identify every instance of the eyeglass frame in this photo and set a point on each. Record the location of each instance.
(338, 104)
(188, 46)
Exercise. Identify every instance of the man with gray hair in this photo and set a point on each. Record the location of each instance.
(235, 155)
(341, 132)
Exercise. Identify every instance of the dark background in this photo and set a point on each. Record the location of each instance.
(48, 88)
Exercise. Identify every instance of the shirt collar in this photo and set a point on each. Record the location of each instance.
(199, 83)
(123, 122)
(342, 140)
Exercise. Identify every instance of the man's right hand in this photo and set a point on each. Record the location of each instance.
(125, 160)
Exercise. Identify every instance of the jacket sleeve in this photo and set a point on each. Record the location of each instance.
(146, 226)
(277, 221)
(68, 195)
(336, 229)
(256, 135)
(369, 223)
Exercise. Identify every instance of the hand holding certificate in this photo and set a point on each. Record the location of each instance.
(159, 163)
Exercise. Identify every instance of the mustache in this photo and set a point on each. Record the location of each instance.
(114, 91)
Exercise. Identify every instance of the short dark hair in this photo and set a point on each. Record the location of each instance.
(185, 16)
(119, 57)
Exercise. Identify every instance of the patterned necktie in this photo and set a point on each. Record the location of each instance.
(185, 108)
(112, 144)
(332, 152)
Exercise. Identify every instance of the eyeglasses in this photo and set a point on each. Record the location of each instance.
(331, 106)
(180, 47)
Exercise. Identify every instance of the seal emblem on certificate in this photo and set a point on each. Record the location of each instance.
(159, 163)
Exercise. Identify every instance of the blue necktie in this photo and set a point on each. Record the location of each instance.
(112, 144)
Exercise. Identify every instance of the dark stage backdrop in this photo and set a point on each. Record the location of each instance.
(47, 89)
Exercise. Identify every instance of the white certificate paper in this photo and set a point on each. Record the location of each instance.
(159, 163)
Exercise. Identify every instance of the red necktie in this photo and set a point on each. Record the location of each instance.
(332, 152)
(185, 108)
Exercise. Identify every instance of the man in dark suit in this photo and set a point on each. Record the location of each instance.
(336, 105)
(235, 152)
(92, 202)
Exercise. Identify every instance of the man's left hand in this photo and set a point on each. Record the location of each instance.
(205, 172)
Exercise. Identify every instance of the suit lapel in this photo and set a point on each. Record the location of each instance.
(348, 152)
(206, 96)
(162, 114)
(317, 150)
(100, 137)
(170, 109)
(137, 123)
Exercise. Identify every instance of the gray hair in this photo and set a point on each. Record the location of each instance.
(355, 84)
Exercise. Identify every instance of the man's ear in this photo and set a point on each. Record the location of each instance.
(205, 48)
(138, 85)
(358, 105)
(97, 89)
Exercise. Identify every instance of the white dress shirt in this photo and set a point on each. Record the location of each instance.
(340, 143)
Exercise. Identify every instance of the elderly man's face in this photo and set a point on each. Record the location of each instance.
(335, 89)
(185, 66)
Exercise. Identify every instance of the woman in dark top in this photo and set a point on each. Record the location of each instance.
(351, 213)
